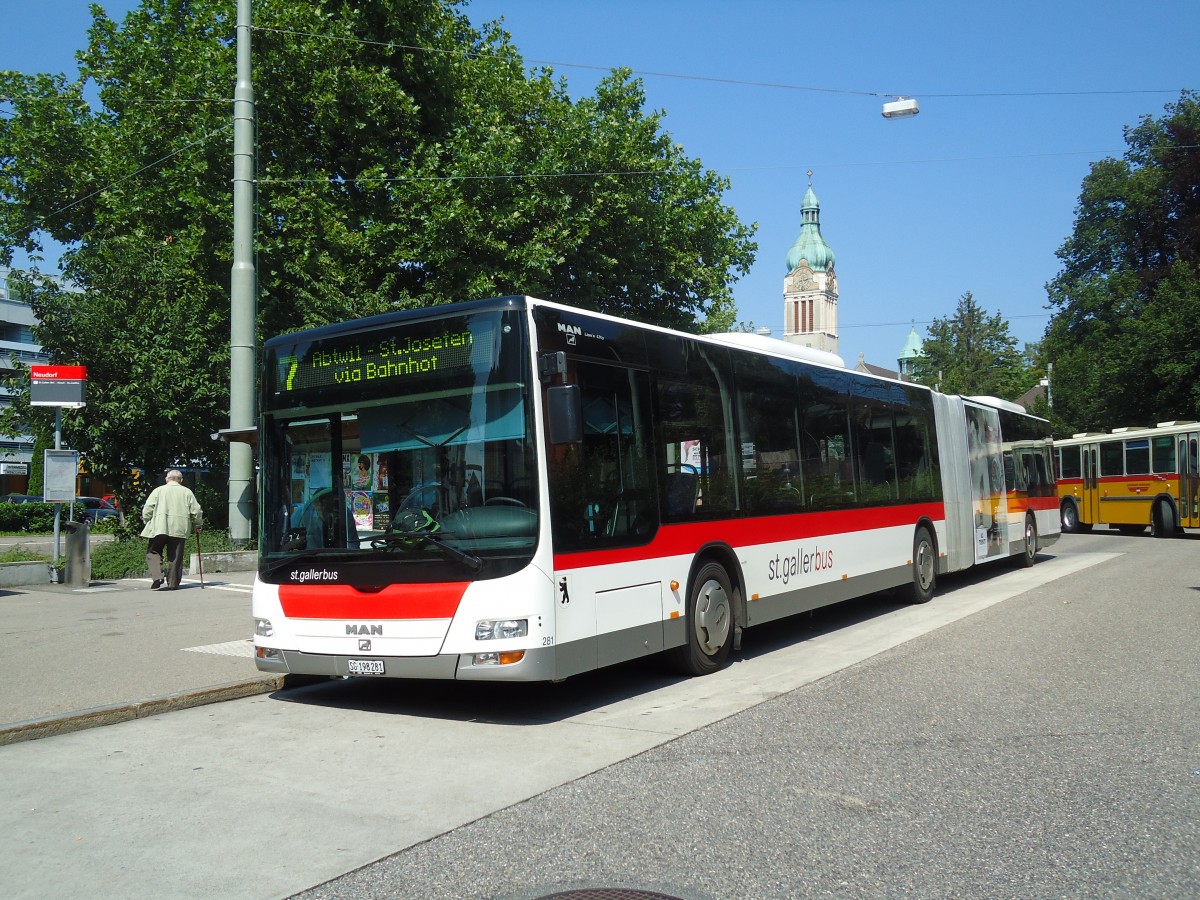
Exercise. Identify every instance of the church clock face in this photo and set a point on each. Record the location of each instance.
(802, 280)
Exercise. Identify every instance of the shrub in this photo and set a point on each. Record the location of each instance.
(126, 556)
(26, 518)
(215, 504)
(119, 559)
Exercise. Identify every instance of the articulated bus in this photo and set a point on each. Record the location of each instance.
(512, 489)
(1130, 478)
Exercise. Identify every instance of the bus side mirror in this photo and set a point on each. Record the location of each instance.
(565, 411)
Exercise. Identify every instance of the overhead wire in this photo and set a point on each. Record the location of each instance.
(714, 79)
(62, 209)
(577, 174)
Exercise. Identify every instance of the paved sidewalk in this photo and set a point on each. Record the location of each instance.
(72, 658)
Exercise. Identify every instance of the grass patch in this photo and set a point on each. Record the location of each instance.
(20, 554)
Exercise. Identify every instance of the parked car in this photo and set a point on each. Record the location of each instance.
(21, 498)
(95, 509)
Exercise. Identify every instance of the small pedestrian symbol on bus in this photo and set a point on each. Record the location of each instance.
(564, 591)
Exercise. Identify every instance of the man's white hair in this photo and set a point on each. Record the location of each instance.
(175, 475)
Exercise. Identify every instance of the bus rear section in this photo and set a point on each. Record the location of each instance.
(998, 478)
(1130, 479)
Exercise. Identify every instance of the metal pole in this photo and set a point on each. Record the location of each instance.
(57, 506)
(242, 292)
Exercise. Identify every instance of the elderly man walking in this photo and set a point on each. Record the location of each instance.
(170, 513)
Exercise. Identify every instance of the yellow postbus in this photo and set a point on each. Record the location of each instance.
(1130, 478)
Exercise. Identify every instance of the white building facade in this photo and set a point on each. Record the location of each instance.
(16, 345)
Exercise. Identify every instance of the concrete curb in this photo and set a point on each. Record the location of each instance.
(34, 729)
(25, 574)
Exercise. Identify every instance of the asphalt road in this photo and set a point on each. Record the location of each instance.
(1048, 746)
(1027, 734)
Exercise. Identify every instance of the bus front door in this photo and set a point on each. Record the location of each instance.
(1089, 503)
(1189, 481)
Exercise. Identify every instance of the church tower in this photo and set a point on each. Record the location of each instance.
(908, 354)
(810, 292)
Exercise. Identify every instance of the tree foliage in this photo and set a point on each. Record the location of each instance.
(1124, 336)
(404, 159)
(972, 353)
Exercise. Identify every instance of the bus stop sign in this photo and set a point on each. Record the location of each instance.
(57, 386)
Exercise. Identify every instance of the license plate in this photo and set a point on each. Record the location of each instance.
(366, 666)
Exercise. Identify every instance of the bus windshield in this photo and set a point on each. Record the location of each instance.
(404, 443)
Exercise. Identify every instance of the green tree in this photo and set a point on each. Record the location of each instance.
(404, 159)
(1124, 335)
(972, 353)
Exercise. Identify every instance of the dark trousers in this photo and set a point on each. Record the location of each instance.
(173, 547)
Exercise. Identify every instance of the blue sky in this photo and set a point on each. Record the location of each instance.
(974, 194)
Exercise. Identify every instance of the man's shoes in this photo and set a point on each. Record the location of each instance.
(156, 584)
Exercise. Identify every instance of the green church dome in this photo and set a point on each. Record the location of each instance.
(913, 347)
(810, 245)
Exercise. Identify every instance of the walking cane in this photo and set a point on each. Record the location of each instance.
(200, 559)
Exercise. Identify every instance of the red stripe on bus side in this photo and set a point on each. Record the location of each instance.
(399, 601)
(677, 540)
(1162, 478)
(1017, 501)
(1043, 503)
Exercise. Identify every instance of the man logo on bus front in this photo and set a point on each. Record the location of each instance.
(565, 600)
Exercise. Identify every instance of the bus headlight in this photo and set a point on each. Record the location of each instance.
(263, 628)
(499, 629)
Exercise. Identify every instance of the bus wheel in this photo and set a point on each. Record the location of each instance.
(1070, 518)
(709, 622)
(924, 567)
(1029, 551)
(1162, 522)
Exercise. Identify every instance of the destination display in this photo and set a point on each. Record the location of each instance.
(384, 358)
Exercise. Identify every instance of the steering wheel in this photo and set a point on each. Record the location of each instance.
(503, 501)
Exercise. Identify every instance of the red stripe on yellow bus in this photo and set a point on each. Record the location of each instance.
(682, 539)
(339, 601)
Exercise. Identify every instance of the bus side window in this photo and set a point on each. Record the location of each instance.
(694, 432)
(601, 488)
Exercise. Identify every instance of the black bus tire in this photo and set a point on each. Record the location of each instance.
(709, 622)
(1162, 522)
(1069, 516)
(1029, 544)
(924, 567)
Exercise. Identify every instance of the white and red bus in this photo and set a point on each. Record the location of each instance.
(515, 489)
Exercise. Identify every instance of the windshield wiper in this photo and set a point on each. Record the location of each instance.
(405, 538)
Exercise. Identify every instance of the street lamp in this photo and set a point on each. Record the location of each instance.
(901, 108)
(242, 290)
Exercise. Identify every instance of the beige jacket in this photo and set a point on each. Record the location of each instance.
(173, 510)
